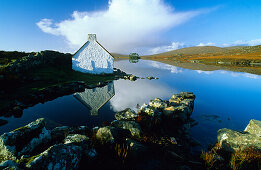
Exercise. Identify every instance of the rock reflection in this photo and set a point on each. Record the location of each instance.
(95, 98)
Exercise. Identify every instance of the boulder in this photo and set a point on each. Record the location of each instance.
(232, 140)
(23, 139)
(127, 114)
(59, 156)
(158, 103)
(179, 113)
(76, 139)
(59, 133)
(132, 126)
(254, 127)
(109, 135)
(9, 164)
(148, 110)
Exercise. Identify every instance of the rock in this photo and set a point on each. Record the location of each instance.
(150, 78)
(3, 122)
(148, 110)
(132, 126)
(109, 135)
(14, 143)
(59, 133)
(43, 138)
(76, 139)
(132, 78)
(60, 156)
(127, 114)
(158, 103)
(179, 113)
(254, 127)
(136, 149)
(8, 164)
(232, 140)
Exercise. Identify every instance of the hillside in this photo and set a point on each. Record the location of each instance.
(237, 58)
(116, 55)
(193, 50)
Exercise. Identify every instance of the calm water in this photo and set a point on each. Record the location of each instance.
(223, 99)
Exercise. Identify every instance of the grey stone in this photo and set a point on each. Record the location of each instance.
(8, 163)
(132, 126)
(254, 127)
(109, 135)
(76, 139)
(149, 110)
(232, 140)
(60, 156)
(158, 103)
(127, 114)
(14, 143)
(59, 133)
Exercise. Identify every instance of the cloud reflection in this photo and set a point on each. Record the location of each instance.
(129, 94)
(173, 69)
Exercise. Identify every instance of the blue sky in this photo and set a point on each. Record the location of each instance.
(143, 26)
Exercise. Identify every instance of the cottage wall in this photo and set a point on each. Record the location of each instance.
(92, 58)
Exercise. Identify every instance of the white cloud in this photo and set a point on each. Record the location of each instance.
(205, 72)
(172, 69)
(207, 44)
(240, 74)
(124, 26)
(245, 42)
(162, 49)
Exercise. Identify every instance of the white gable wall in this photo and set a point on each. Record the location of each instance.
(92, 58)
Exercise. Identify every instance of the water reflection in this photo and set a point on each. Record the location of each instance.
(133, 60)
(95, 98)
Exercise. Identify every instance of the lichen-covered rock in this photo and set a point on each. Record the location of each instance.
(59, 133)
(76, 139)
(158, 103)
(254, 127)
(132, 126)
(127, 114)
(60, 156)
(179, 98)
(108, 134)
(180, 113)
(147, 109)
(43, 138)
(9, 164)
(14, 143)
(232, 140)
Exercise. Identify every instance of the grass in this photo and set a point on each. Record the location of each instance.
(242, 159)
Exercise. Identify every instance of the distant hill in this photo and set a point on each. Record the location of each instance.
(209, 50)
(116, 55)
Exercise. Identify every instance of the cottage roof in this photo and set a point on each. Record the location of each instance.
(92, 37)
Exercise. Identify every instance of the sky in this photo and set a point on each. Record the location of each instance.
(124, 26)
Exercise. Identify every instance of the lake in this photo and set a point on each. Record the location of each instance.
(224, 99)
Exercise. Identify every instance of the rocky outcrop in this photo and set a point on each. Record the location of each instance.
(133, 140)
(232, 140)
(126, 114)
(132, 126)
(254, 127)
(31, 61)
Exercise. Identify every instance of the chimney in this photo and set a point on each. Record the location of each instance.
(92, 37)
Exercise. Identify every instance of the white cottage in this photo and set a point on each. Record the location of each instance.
(93, 58)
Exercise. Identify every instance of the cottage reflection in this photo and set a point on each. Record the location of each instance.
(95, 98)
